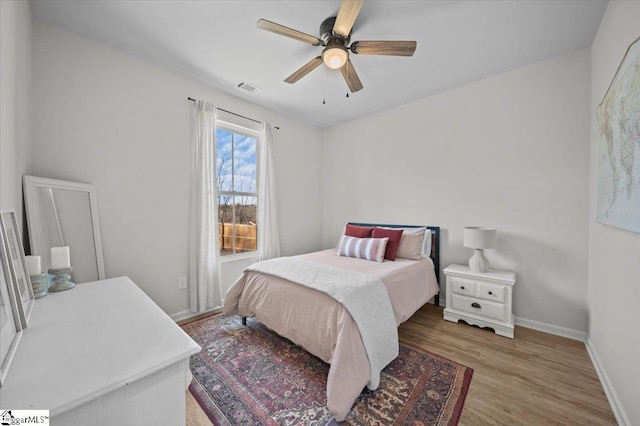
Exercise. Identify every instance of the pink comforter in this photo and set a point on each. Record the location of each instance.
(323, 326)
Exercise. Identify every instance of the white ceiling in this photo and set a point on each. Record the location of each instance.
(217, 42)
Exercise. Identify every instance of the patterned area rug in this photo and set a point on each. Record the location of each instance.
(248, 375)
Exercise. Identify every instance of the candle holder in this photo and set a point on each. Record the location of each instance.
(61, 279)
(39, 285)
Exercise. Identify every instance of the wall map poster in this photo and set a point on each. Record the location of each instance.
(618, 185)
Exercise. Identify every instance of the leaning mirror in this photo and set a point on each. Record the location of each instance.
(61, 213)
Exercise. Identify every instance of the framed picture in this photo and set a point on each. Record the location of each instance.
(17, 265)
(618, 115)
(10, 324)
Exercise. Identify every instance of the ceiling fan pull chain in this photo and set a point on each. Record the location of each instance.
(324, 85)
(348, 74)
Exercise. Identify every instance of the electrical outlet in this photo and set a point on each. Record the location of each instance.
(182, 283)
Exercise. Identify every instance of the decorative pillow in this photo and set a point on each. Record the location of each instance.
(394, 236)
(358, 231)
(411, 243)
(363, 248)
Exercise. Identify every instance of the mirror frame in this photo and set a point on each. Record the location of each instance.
(31, 185)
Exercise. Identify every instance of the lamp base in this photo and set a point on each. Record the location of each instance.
(478, 263)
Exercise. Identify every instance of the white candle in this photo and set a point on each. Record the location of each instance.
(34, 265)
(60, 258)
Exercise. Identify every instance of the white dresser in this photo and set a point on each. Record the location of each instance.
(484, 299)
(102, 353)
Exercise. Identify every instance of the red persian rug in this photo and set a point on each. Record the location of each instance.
(248, 375)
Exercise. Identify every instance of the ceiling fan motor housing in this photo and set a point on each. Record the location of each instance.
(327, 34)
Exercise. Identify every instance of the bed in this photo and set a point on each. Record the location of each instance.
(332, 328)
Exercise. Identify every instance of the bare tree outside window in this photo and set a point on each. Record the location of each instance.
(237, 196)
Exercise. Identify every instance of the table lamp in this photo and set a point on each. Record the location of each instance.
(479, 238)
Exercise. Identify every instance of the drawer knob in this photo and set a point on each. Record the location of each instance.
(461, 287)
(490, 292)
(476, 305)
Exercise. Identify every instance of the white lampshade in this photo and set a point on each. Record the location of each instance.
(479, 237)
(335, 57)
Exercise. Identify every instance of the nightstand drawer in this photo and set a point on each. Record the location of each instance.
(494, 292)
(479, 307)
(464, 287)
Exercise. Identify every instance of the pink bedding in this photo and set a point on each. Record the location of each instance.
(323, 326)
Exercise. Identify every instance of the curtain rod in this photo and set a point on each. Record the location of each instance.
(238, 115)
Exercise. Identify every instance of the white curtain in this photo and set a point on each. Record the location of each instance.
(268, 230)
(204, 289)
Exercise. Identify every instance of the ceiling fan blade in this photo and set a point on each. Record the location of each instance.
(347, 15)
(392, 48)
(263, 24)
(304, 70)
(351, 77)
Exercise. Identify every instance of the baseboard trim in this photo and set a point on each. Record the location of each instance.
(614, 402)
(552, 329)
(185, 315)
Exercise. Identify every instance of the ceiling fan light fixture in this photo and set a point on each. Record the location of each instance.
(335, 56)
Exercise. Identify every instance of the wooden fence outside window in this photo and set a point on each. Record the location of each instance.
(245, 238)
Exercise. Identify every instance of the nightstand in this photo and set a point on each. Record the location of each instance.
(480, 298)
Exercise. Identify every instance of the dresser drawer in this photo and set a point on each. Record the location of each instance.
(464, 287)
(497, 293)
(479, 307)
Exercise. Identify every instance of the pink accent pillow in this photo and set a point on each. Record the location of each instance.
(358, 231)
(394, 236)
(363, 248)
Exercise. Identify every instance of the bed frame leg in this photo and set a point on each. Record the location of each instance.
(244, 320)
(436, 301)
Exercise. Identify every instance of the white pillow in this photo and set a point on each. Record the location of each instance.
(426, 247)
(363, 248)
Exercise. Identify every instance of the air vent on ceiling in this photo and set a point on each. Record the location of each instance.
(247, 87)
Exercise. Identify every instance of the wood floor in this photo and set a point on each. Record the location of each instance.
(534, 379)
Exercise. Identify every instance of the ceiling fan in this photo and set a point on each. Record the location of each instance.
(335, 35)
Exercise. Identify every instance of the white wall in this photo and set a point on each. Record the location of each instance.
(15, 102)
(614, 269)
(510, 151)
(123, 124)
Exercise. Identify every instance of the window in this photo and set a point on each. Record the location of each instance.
(237, 192)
